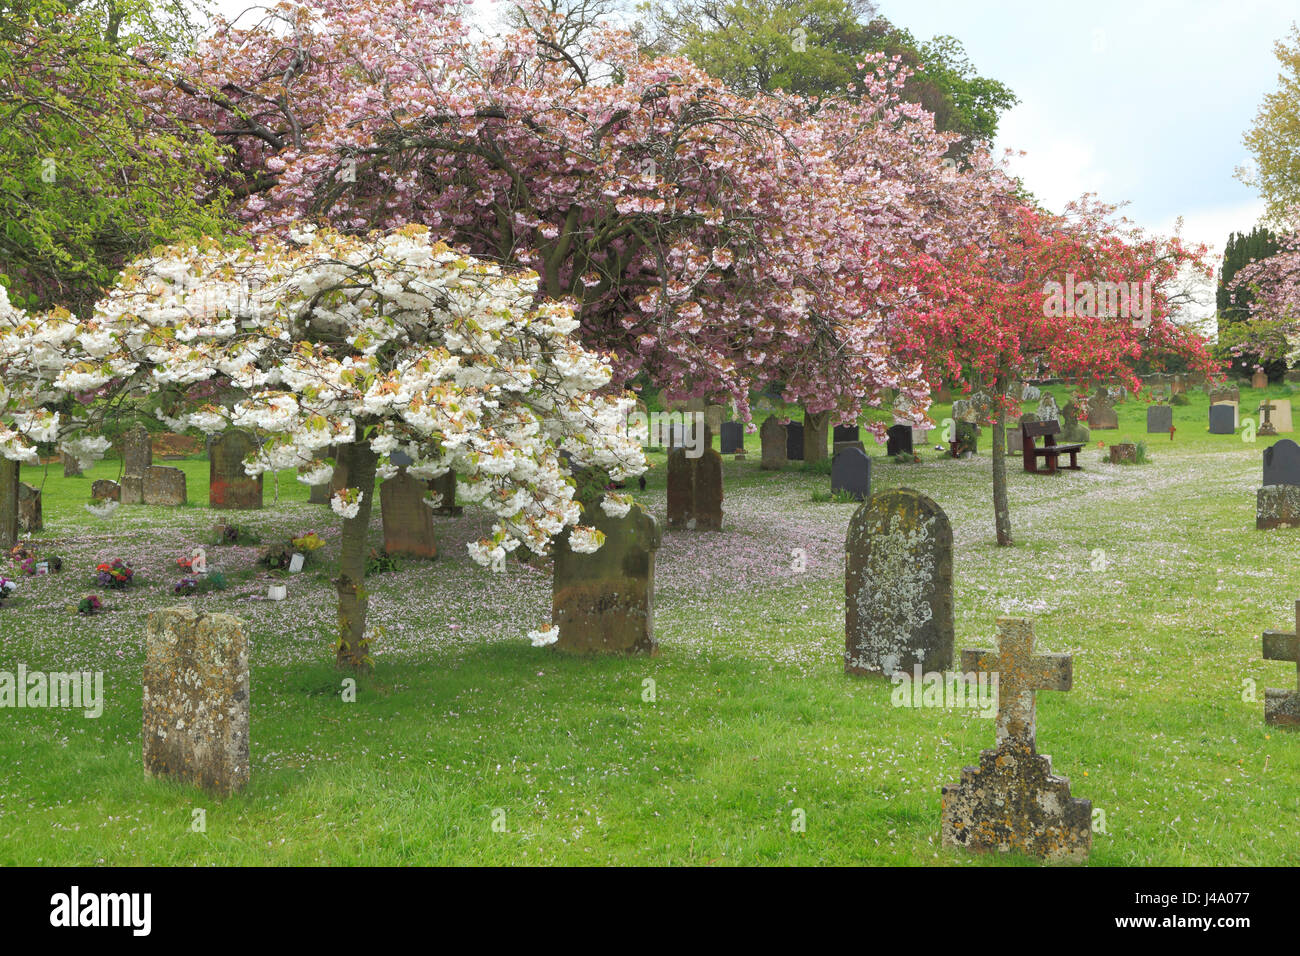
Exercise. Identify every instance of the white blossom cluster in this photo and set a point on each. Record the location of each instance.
(394, 339)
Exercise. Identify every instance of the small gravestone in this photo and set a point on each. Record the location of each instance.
(1071, 431)
(966, 442)
(407, 520)
(1012, 801)
(695, 490)
(1259, 380)
(898, 585)
(1047, 408)
(1277, 506)
(137, 452)
(851, 473)
(772, 437)
(604, 601)
(1282, 463)
(444, 495)
(196, 699)
(1015, 437)
(104, 490)
(163, 485)
(962, 411)
(1101, 413)
(229, 486)
(30, 518)
(898, 440)
(1160, 418)
(732, 438)
(847, 434)
(1123, 453)
(1223, 419)
(1218, 395)
(1282, 705)
(320, 494)
(71, 466)
(794, 441)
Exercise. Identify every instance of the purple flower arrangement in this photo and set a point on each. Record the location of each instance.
(116, 574)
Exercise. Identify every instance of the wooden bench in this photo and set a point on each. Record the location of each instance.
(1047, 431)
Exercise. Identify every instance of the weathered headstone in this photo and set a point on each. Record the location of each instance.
(695, 490)
(104, 490)
(137, 451)
(1282, 463)
(1282, 705)
(732, 438)
(1015, 437)
(1071, 430)
(196, 699)
(794, 441)
(898, 440)
(1223, 419)
(30, 518)
(1012, 801)
(851, 473)
(71, 466)
(1277, 506)
(967, 440)
(1259, 380)
(816, 430)
(846, 433)
(1101, 413)
(407, 520)
(229, 486)
(1280, 415)
(772, 436)
(604, 601)
(898, 585)
(1160, 418)
(1221, 394)
(444, 496)
(163, 485)
(1047, 408)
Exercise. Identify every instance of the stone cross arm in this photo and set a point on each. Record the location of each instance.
(1020, 674)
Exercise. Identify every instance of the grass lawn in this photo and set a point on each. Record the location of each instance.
(1152, 576)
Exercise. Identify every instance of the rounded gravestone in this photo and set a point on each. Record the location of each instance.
(898, 586)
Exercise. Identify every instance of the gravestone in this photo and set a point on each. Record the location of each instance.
(1218, 395)
(847, 434)
(1015, 437)
(1124, 453)
(898, 585)
(1047, 408)
(163, 485)
(966, 441)
(1259, 380)
(695, 490)
(137, 458)
(1160, 418)
(1277, 506)
(1282, 463)
(320, 494)
(732, 439)
(407, 520)
(71, 466)
(1101, 413)
(229, 486)
(1012, 801)
(104, 490)
(1280, 415)
(30, 518)
(1071, 431)
(604, 601)
(794, 441)
(1223, 419)
(196, 699)
(444, 495)
(772, 437)
(1282, 705)
(898, 440)
(851, 473)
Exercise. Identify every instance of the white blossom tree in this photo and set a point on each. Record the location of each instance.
(370, 345)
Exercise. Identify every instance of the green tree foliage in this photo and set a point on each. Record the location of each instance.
(1274, 139)
(813, 48)
(1233, 304)
(92, 172)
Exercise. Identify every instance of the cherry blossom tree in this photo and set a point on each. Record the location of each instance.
(370, 344)
(994, 312)
(1272, 330)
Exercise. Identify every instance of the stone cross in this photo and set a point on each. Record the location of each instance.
(1266, 427)
(1281, 706)
(1020, 675)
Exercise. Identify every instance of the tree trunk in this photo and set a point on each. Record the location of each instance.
(353, 651)
(1001, 509)
(8, 503)
(816, 428)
